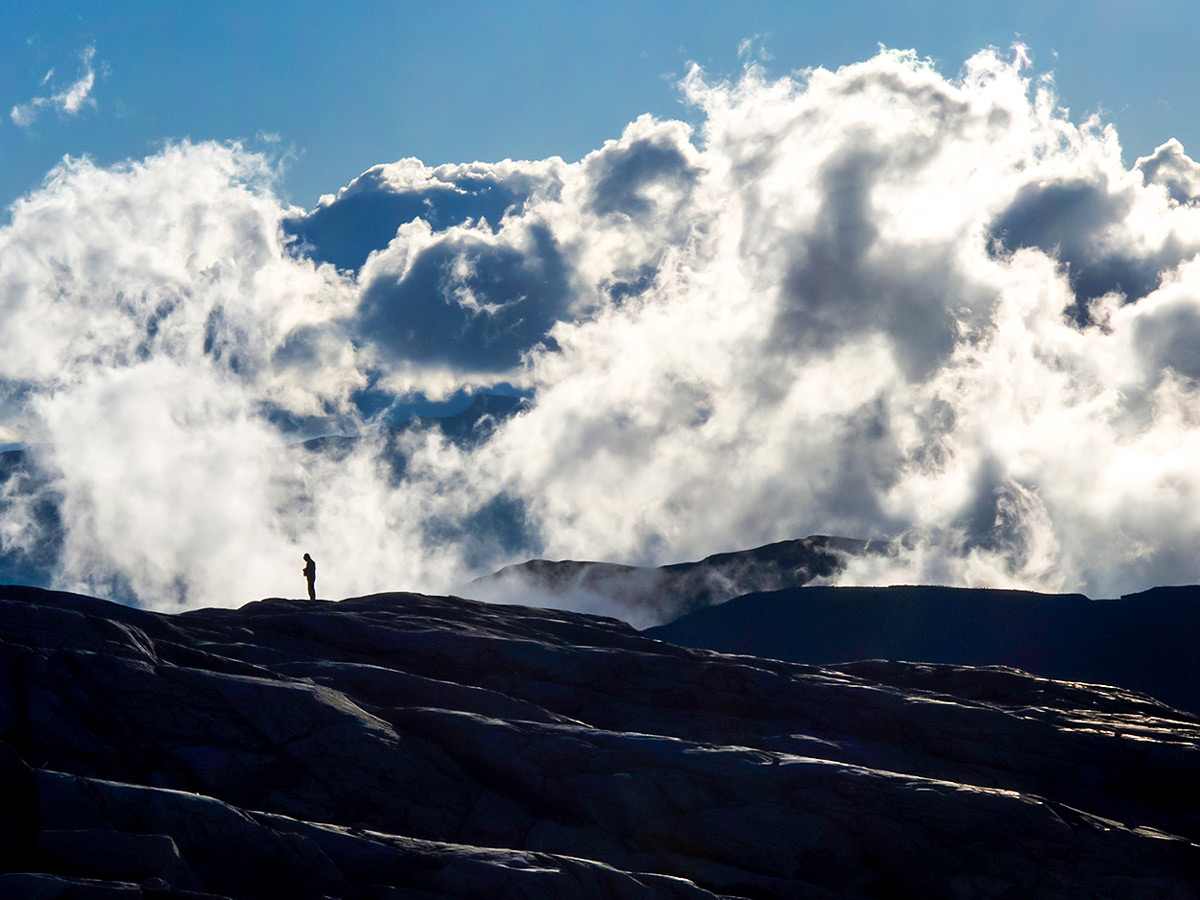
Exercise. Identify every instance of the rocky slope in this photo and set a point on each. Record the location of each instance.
(404, 746)
(1143, 641)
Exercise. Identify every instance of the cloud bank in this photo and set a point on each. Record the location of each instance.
(879, 302)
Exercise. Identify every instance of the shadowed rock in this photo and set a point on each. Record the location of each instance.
(405, 746)
(1143, 641)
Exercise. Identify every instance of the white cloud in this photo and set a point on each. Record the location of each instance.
(69, 101)
(874, 302)
(24, 114)
(754, 48)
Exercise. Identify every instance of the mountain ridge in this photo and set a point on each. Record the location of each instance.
(649, 595)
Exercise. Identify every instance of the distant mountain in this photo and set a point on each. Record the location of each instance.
(1145, 642)
(405, 747)
(653, 595)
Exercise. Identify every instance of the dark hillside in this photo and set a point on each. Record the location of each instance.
(409, 747)
(1145, 642)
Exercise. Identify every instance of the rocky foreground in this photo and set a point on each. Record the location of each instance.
(404, 746)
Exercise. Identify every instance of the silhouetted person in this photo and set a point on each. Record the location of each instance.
(310, 575)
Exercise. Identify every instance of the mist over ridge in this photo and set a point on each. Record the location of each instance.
(881, 302)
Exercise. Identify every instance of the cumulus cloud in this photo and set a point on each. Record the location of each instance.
(69, 101)
(878, 302)
(1170, 167)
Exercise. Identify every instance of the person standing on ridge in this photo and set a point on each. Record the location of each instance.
(310, 575)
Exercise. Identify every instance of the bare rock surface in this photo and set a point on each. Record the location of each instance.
(1144, 641)
(407, 746)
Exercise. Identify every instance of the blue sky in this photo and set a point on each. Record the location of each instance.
(344, 87)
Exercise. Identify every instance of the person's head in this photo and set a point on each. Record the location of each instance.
(307, 557)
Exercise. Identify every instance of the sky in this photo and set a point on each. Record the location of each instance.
(345, 88)
(924, 273)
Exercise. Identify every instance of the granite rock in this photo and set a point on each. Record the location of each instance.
(408, 746)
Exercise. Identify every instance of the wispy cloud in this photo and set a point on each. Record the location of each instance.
(69, 101)
(754, 49)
